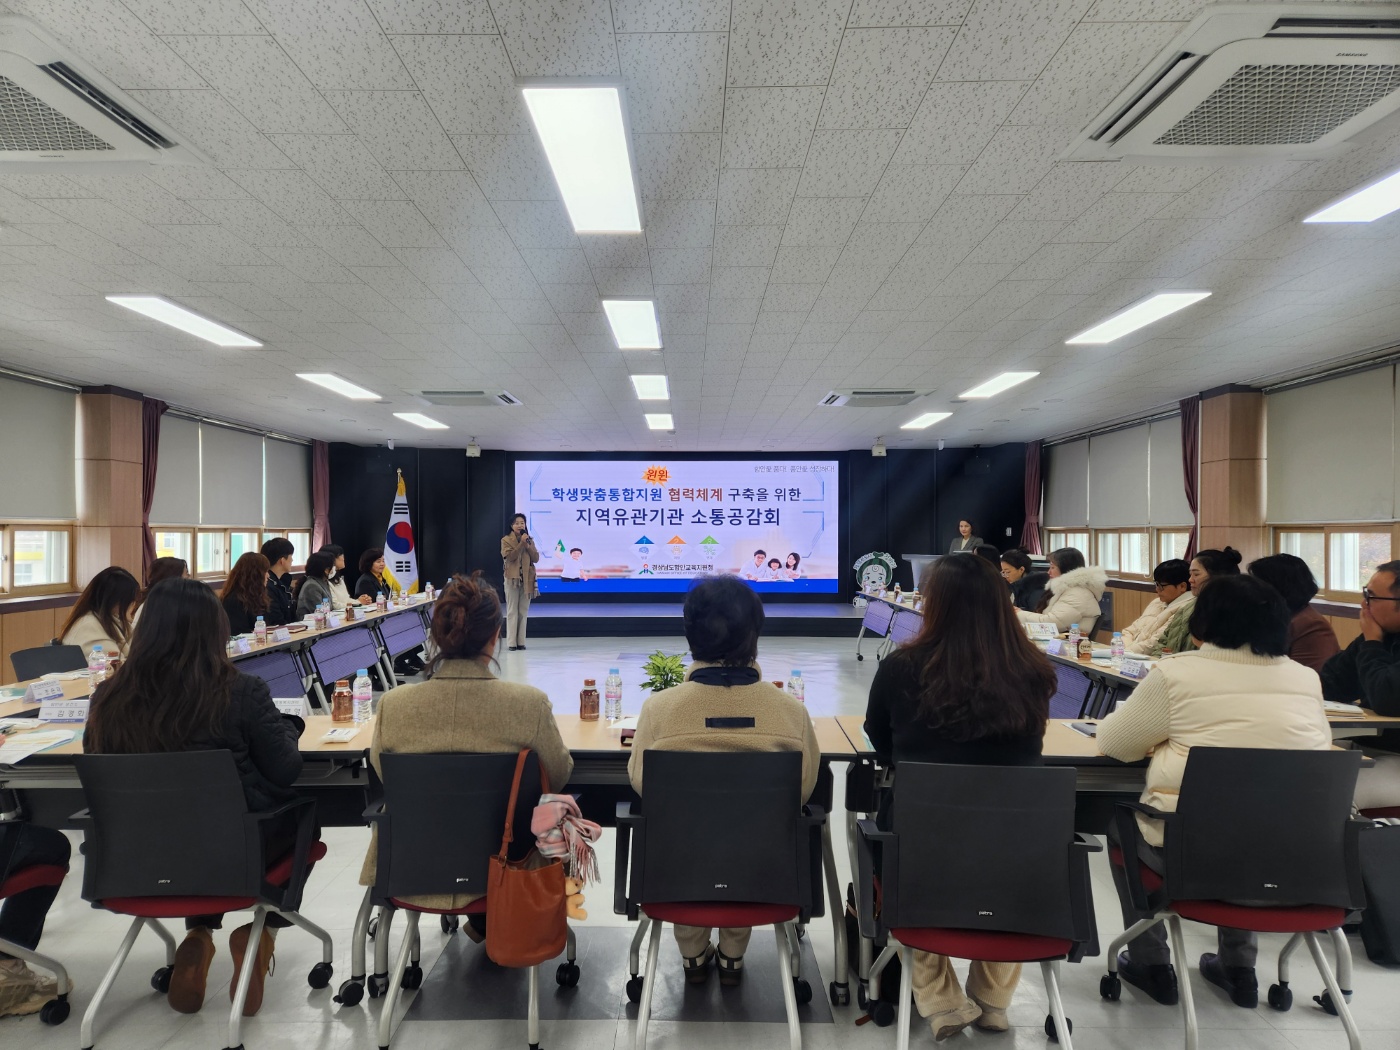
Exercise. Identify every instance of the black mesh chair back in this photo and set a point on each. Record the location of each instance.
(1105, 622)
(1265, 826)
(47, 659)
(442, 820)
(724, 827)
(985, 848)
(166, 825)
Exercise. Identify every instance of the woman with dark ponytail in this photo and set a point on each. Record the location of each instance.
(463, 708)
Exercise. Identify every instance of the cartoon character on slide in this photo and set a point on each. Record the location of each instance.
(572, 571)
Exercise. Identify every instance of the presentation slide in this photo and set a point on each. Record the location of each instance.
(655, 525)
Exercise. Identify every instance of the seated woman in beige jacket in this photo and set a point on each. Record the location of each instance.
(1075, 590)
(464, 708)
(1173, 582)
(102, 614)
(1239, 689)
(723, 618)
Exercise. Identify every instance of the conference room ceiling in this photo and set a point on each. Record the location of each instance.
(836, 195)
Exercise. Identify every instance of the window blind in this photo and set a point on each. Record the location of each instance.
(1067, 484)
(1118, 478)
(231, 464)
(1166, 487)
(38, 473)
(288, 484)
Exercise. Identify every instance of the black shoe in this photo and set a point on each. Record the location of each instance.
(1239, 981)
(697, 970)
(520, 647)
(1157, 981)
(731, 971)
(512, 648)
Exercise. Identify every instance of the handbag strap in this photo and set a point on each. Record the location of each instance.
(509, 833)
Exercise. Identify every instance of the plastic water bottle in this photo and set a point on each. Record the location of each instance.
(260, 630)
(362, 694)
(97, 665)
(796, 688)
(612, 695)
(428, 590)
(1115, 651)
(1074, 640)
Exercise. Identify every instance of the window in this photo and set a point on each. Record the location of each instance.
(1341, 557)
(36, 559)
(240, 543)
(1171, 545)
(1077, 540)
(301, 546)
(1122, 552)
(212, 555)
(175, 543)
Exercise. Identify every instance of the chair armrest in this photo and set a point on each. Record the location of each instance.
(868, 836)
(375, 812)
(1146, 810)
(626, 821)
(82, 818)
(1087, 843)
(287, 898)
(813, 815)
(1129, 839)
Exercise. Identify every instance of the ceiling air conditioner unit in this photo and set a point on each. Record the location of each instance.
(869, 398)
(470, 398)
(58, 114)
(1258, 82)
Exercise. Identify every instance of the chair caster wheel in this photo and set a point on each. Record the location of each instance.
(567, 975)
(350, 994)
(634, 989)
(863, 996)
(1325, 1001)
(802, 990)
(1052, 1033)
(1110, 987)
(160, 980)
(450, 923)
(320, 975)
(1281, 996)
(377, 985)
(372, 928)
(859, 657)
(882, 1013)
(55, 1011)
(839, 994)
(412, 979)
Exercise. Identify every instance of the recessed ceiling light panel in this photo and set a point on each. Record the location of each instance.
(585, 140)
(335, 383)
(420, 420)
(999, 384)
(651, 388)
(660, 421)
(163, 310)
(925, 420)
(1365, 205)
(1140, 315)
(633, 323)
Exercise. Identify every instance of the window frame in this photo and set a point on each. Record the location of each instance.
(226, 533)
(1327, 530)
(8, 588)
(1057, 537)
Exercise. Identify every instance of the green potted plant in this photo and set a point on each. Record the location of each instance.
(663, 671)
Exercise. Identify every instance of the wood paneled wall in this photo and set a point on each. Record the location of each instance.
(109, 482)
(25, 628)
(1231, 507)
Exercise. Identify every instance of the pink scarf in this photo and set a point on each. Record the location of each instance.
(561, 831)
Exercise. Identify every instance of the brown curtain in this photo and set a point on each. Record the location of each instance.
(320, 495)
(1030, 535)
(151, 411)
(1191, 465)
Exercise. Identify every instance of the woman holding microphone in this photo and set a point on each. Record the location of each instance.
(519, 553)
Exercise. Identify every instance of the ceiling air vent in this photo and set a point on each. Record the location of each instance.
(1261, 82)
(470, 398)
(59, 115)
(869, 398)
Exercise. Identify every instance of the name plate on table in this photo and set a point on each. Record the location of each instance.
(42, 692)
(1056, 647)
(291, 705)
(64, 710)
(281, 634)
(332, 620)
(1042, 631)
(1135, 669)
(240, 646)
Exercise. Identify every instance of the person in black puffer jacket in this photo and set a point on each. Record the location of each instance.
(177, 690)
(1027, 587)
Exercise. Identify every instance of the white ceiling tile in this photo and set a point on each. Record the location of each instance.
(1159, 178)
(1052, 261)
(804, 265)
(350, 245)
(106, 219)
(508, 167)
(558, 265)
(108, 35)
(846, 163)
(822, 221)
(1014, 241)
(1068, 190)
(1017, 158)
(579, 300)
(672, 299)
(823, 331)
(187, 182)
(668, 16)
(398, 128)
(674, 81)
(395, 282)
(340, 164)
(447, 199)
(528, 311)
(784, 44)
(1143, 11)
(258, 78)
(881, 76)
(678, 166)
(788, 298)
(136, 195)
(615, 250)
(217, 243)
(338, 45)
(394, 224)
(769, 127)
(207, 121)
(623, 280)
(292, 195)
(468, 81)
(955, 122)
(734, 311)
(912, 192)
(756, 196)
(548, 39)
(434, 16)
(908, 12)
(202, 17)
(679, 223)
(531, 224)
(434, 266)
(898, 293)
(680, 265)
(1114, 215)
(746, 246)
(1011, 40)
(738, 282)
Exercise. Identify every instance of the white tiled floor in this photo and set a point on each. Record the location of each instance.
(296, 1018)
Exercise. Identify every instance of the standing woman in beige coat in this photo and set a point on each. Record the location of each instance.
(463, 708)
(519, 553)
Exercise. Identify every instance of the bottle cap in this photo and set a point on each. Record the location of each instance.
(590, 681)
(613, 670)
(797, 673)
(362, 673)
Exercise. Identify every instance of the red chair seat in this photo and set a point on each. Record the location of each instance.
(183, 907)
(476, 907)
(985, 945)
(33, 877)
(1382, 813)
(736, 913)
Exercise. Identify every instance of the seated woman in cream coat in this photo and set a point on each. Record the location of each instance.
(464, 708)
(1075, 590)
(1174, 597)
(102, 613)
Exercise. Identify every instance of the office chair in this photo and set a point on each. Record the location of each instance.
(982, 862)
(15, 880)
(438, 824)
(1250, 825)
(723, 840)
(169, 836)
(53, 658)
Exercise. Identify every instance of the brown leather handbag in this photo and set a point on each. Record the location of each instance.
(525, 902)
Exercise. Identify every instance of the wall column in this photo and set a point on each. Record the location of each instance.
(1232, 471)
(109, 481)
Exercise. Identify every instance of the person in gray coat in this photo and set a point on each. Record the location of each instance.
(315, 586)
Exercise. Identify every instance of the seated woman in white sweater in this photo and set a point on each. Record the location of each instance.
(102, 613)
(1239, 689)
(1173, 581)
(1075, 590)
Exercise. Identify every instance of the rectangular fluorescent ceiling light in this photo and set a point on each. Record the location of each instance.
(585, 141)
(1000, 384)
(660, 421)
(343, 387)
(420, 420)
(925, 420)
(633, 323)
(166, 312)
(651, 388)
(1365, 205)
(1135, 317)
